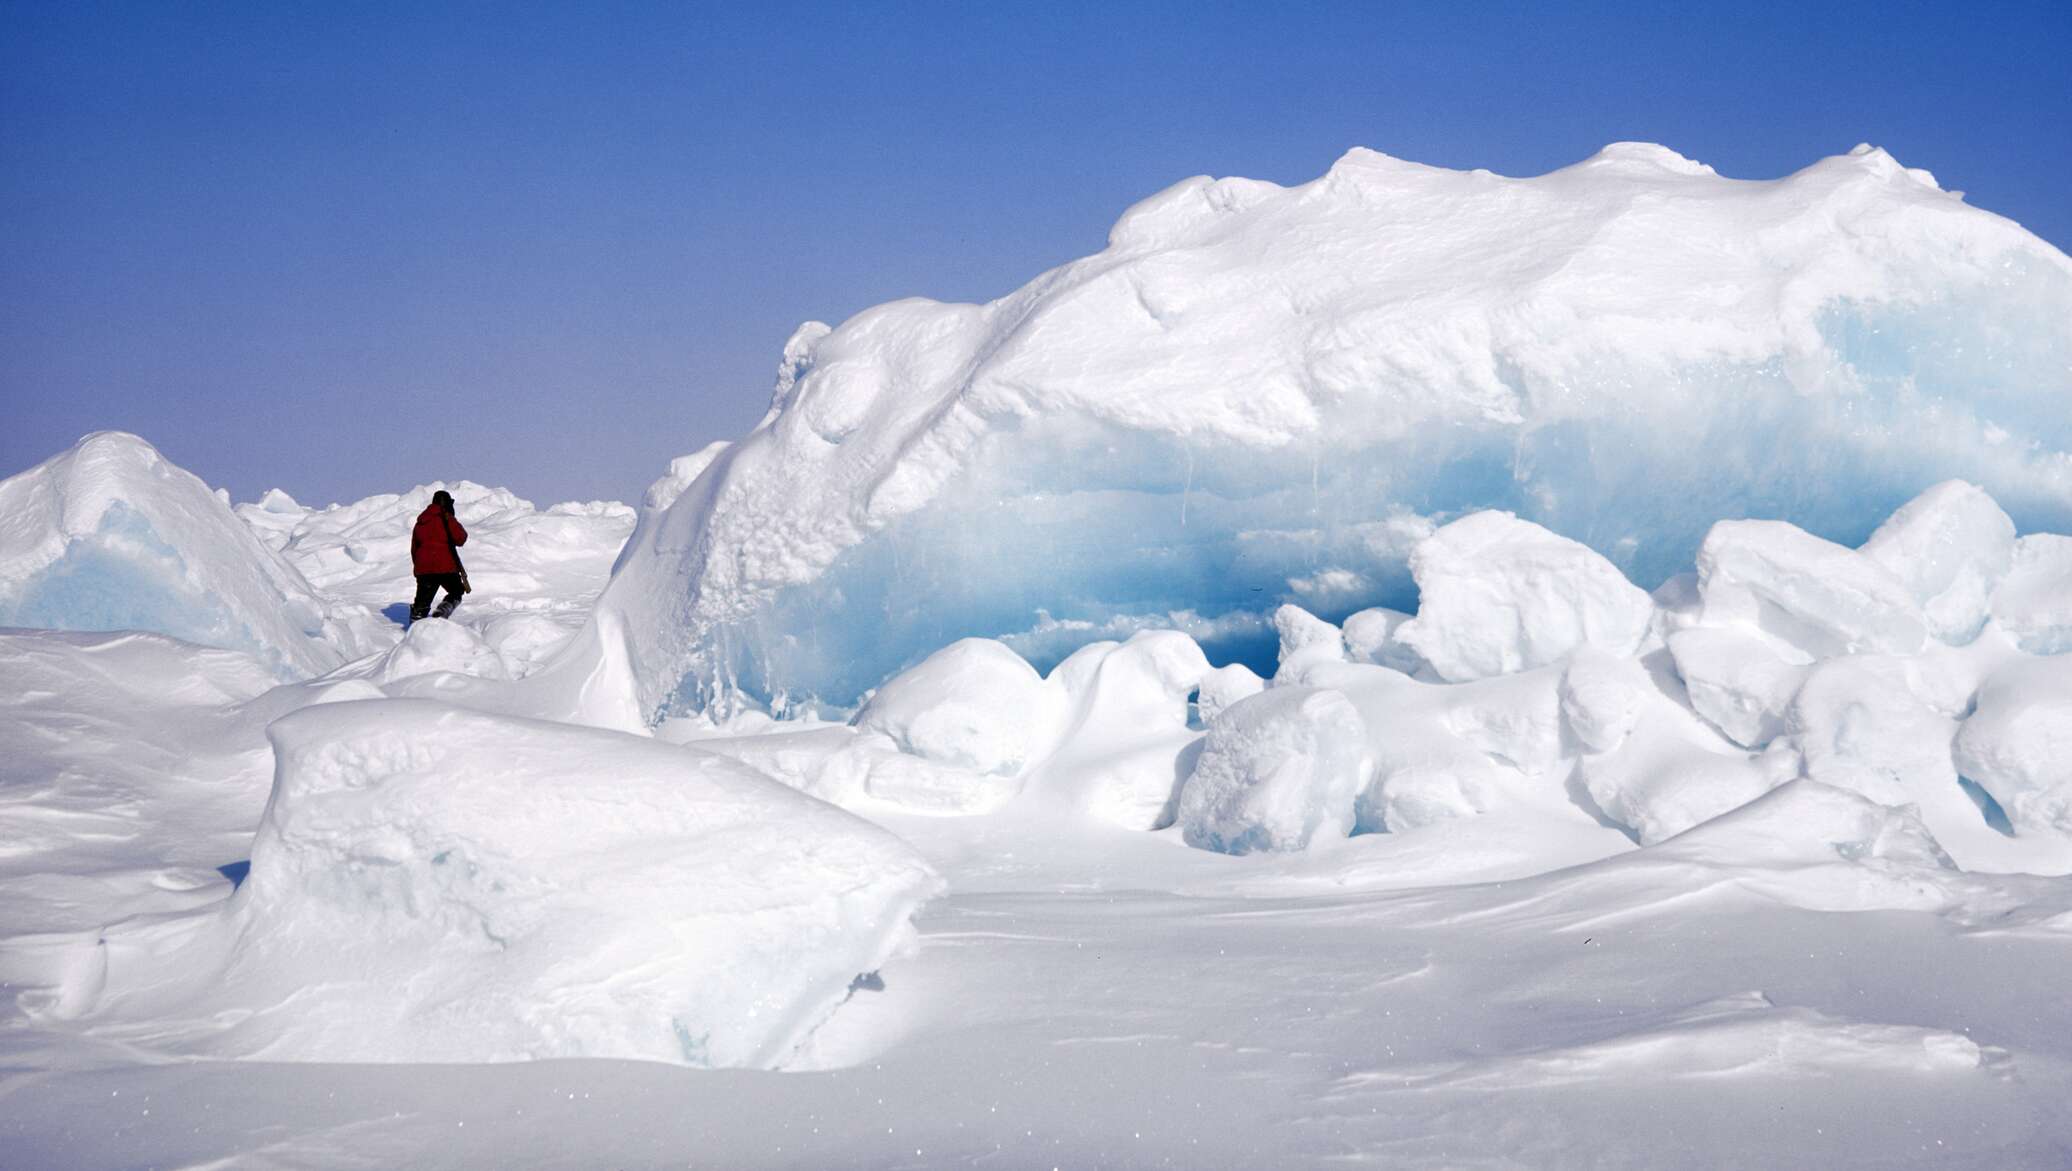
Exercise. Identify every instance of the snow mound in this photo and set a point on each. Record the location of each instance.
(1259, 395)
(2018, 745)
(1805, 823)
(973, 704)
(1747, 1035)
(434, 884)
(434, 644)
(1107, 734)
(112, 536)
(1126, 742)
(1278, 770)
(1498, 595)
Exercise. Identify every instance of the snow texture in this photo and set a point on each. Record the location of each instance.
(1691, 879)
(1278, 770)
(433, 884)
(2034, 604)
(2018, 745)
(1258, 395)
(973, 704)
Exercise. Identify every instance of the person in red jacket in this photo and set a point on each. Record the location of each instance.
(435, 557)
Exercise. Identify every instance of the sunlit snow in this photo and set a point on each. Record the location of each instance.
(1420, 668)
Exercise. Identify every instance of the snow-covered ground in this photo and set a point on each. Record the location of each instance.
(1201, 855)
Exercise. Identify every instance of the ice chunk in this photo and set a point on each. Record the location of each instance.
(1126, 744)
(1602, 696)
(1883, 727)
(111, 536)
(1278, 770)
(1256, 395)
(1868, 723)
(1951, 545)
(1371, 637)
(432, 884)
(973, 704)
(1224, 686)
(2017, 745)
(1818, 596)
(1499, 595)
(2034, 602)
(1738, 680)
(1672, 772)
(1444, 751)
(1305, 639)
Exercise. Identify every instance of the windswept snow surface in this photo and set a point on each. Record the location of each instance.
(1259, 395)
(1229, 847)
(1575, 924)
(435, 884)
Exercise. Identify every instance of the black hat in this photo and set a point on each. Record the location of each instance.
(443, 498)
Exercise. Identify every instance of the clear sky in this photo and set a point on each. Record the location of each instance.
(348, 248)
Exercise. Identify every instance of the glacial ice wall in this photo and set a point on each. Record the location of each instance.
(1258, 395)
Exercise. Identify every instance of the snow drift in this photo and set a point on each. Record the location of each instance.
(436, 884)
(111, 536)
(1259, 395)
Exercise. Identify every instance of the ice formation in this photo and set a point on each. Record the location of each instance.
(1579, 700)
(1278, 769)
(1327, 526)
(974, 704)
(1497, 595)
(434, 884)
(2018, 745)
(1791, 658)
(518, 555)
(111, 536)
(1260, 395)
(1107, 735)
(2034, 603)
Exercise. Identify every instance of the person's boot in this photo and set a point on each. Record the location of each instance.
(447, 607)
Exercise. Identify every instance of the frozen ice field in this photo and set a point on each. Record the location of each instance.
(1416, 669)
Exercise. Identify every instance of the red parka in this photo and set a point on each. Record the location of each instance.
(433, 540)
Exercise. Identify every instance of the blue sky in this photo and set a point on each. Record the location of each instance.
(345, 249)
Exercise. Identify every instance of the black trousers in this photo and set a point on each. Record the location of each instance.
(429, 584)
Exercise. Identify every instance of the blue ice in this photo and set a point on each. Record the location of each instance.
(1078, 530)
